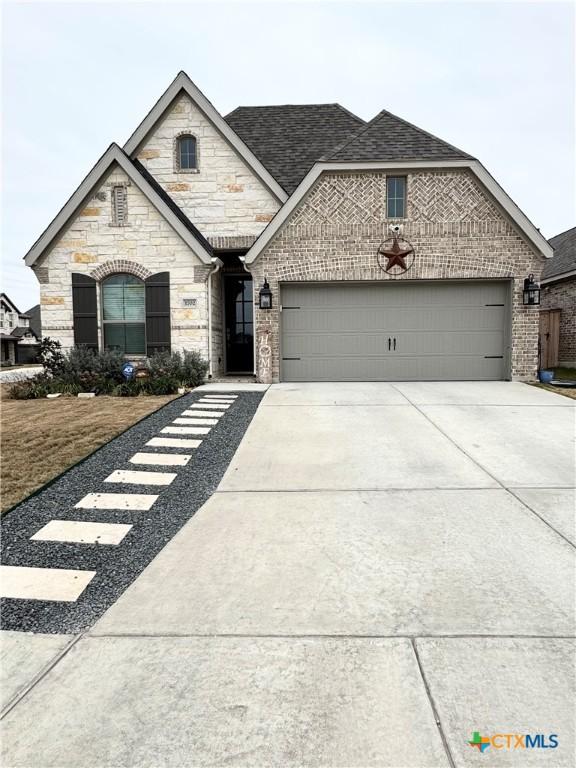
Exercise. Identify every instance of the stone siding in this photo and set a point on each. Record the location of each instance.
(145, 245)
(223, 198)
(562, 296)
(456, 229)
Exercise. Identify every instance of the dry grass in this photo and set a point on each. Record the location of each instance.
(41, 438)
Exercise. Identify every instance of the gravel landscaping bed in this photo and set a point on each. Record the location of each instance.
(116, 566)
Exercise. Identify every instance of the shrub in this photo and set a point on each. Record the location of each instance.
(187, 370)
(31, 389)
(160, 385)
(50, 355)
(85, 370)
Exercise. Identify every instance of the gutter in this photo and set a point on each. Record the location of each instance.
(557, 278)
(218, 263)
(242, 260)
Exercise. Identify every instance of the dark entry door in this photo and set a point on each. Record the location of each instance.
(239, 323)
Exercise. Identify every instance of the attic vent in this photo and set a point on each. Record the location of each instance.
(119, 206)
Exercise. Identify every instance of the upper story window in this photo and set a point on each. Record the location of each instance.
(124, 314)
(186, 154)
(119, 205)
(396, 197)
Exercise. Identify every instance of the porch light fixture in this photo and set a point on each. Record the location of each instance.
(265, 296)
(531, 293)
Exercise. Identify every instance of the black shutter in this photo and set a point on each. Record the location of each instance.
(158, 313)
(85, 311)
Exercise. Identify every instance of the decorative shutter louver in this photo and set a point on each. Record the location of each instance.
(85, 311)
(119, 205)
(158, 313)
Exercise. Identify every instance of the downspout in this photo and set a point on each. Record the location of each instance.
(242, 260)
(218, 263)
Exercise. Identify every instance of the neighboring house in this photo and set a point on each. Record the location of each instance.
(169, 241)
(35, 316)
(18, 341)
(558, 303)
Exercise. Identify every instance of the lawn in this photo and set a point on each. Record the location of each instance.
(41, 438)
(561, 373)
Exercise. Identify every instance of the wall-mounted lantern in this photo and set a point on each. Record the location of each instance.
(265, 296)
(531, 293)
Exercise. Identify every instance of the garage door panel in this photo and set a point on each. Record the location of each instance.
(376, 344)
(431, 368)
(356, 318)
(443, 330)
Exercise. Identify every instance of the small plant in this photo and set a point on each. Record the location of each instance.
(31, 389)
(50, 355)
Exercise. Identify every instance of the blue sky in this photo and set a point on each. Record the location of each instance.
(495, 79)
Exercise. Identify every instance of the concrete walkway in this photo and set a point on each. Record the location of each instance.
(385, 570)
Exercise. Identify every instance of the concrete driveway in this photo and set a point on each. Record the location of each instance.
(385, 570)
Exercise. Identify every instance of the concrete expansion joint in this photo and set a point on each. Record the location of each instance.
(433, 706)
(40, 676)
(418, 407)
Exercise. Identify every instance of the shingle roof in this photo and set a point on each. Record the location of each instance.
(388, 138)
(289, 139)
(21, 331)
(174, 207)
(35, 315)
(564, 259)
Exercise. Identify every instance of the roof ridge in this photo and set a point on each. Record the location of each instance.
(426, 133)
(352, 138)
(300, 104)
(348, 112)
(387, 113)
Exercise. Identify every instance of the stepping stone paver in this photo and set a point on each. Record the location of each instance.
(135, 501)
(197, 422)
(161, 459)
(173, 442)
(81, 532)
(43, 583)
(140, 478)
(186, 430)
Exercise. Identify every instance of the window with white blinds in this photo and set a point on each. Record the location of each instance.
(124, 314)
(119, 205)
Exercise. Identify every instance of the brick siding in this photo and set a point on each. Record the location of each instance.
(456, 230)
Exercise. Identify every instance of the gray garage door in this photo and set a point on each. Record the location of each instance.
(417, 331)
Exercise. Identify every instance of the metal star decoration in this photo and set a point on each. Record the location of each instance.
(396, 255)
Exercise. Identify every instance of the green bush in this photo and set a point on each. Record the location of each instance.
(84, 370)
(31, 389)
(187, 370)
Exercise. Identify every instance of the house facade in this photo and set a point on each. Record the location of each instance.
(558, 320)
(381, 251)
(18, 340)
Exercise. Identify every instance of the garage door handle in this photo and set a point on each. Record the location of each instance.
(389, 343)
(394, 342)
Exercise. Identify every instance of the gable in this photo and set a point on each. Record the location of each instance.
(7, 304)
(223, 195)
(440, 193)
(90, 239)
(114, 156)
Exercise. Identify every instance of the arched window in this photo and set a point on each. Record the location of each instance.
(186, 153)
(124, 314)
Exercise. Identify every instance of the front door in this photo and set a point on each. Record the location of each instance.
(239, 323)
